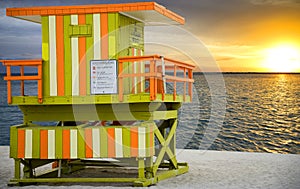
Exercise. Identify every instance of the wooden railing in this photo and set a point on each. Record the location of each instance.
(147, 74)
(22, 77)
(156, 70)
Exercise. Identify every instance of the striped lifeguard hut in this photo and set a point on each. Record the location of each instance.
(100, 101)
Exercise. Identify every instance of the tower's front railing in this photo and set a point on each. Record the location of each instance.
(22, 77)
(154, 75)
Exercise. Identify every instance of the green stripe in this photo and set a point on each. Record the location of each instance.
(13, 142)
(58, 143)
(126, 141)
(67, 57)
(36, 143)
(148, 141)
(89, 52)
(125, 49)
(45, 55)
(81, 144)
(124, 35)
(103, 142)
(113, 22)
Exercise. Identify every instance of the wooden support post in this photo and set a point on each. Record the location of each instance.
(190, 75)
(17, 168)
(152, 80)
(174, 88)
(141, 168)
(22, 81)
(40, 84)
(149, 167)
(121, 81)
(8, 73)
(184, 84)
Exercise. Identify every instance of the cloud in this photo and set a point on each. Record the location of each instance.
(276, 2)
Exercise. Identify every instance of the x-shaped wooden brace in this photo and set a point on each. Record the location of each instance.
(165, 148)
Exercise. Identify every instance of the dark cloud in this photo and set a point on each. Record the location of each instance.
(246, 22)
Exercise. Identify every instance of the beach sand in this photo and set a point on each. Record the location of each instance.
(208, 169)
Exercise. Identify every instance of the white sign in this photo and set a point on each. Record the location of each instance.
(104, 77)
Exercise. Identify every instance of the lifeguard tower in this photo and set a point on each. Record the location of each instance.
(115, 107)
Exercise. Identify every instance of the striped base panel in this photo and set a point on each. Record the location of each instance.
(90, 142)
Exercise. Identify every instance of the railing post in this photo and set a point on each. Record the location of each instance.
(184, 84)
(163, 76)
(174, 90)
(133, 81)
(120, 81)
(22, 81)
(155, 80)
(8, 73)
(139, 78)
(40, 85)
(190, 75)
(152, 80)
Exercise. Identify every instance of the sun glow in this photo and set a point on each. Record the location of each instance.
(283, 59)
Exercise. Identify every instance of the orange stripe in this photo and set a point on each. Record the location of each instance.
(111, 142)
(88, 143)
(134, 142)
(60, 55)
(66, 144)
(88, 9)
(132, 71)
(104, 35)
(44, 144)
(21, 143)
(82, 59)
(139, 71)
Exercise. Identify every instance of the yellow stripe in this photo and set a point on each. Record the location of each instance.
(51, 144)
(75, 59)
(97, 33)
(73, 143)
(53, 61)
(28, 144)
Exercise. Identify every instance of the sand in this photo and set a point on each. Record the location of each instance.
(208, 169)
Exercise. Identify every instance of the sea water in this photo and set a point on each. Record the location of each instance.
(257, 113)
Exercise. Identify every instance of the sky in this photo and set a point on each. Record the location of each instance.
(240, 35)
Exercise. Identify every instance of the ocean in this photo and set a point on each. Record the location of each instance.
(230, 112)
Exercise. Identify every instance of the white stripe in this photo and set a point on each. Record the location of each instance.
(75, 59)
(118, 142)
(97, 34)
(28, 144)
(142, 141)
(73, 143)
(96, 142)
(52, 58)
(135, 71)
(142, 71)
(51, 144)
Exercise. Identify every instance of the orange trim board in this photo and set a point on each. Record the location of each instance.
(90, 9)
(60, 55)
(21, 143)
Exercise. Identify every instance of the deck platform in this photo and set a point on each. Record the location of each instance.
(208, 169)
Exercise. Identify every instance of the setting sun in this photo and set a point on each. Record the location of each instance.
(283, 59)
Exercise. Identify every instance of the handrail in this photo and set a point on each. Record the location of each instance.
(22, 77)
(146, 74)
(157, 76)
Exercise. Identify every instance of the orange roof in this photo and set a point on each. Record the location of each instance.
(148, 12)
